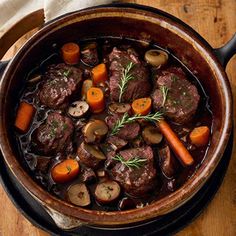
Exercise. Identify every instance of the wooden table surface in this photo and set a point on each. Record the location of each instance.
(215, 20)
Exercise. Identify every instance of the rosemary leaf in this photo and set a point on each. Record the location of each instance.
(135, 162)
(126, 77)
(125, 119)
(164, 91)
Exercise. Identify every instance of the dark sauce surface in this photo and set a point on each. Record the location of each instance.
(165, 186)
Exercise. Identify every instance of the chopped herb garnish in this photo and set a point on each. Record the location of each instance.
(135, 162)
(125, 119)
(67, 73)
(174, 78)
(69, 169)
(126, 77)
(65, 126)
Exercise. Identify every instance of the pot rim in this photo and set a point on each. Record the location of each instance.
(161, 206)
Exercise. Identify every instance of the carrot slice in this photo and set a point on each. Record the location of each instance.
(99, 74)
(70, 53)
(87, 84)
(142, 106)
(24, 116)
(176, 145)
(95, 99)
(65, 171)
(200, 136)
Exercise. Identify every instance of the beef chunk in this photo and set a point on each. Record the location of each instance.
(116, 142)
(89, 54)
(138, 87)
(61, 81)
(55, 135)
(88, 175)
(167, 162)
(136, 181)
(128, 132)
(182, 97)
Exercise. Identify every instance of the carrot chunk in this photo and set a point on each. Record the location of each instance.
(95, 99)
(70, 53)
(24, 116)
(142, 106)
(200, 136)
(65, 171)
(176, 145)
(99, 74)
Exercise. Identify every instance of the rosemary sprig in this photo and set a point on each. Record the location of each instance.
(135, 162)
(125, 119)
(126, 77)
(164, 91)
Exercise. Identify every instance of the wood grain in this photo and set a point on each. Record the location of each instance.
(215, 20)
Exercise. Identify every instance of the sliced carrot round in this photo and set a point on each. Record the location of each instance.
(99, 74)
(70, 53)
(95, 99)
(142, 106)
(65, 171)
(200, 136)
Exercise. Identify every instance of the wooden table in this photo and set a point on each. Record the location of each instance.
(215, 20)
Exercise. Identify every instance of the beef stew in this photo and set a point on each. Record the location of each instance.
(105, 118)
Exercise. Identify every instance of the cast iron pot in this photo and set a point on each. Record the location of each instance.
(141, 23)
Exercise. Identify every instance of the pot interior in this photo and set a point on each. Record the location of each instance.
(127, 23)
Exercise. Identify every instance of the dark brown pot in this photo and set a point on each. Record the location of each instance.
(134, 22)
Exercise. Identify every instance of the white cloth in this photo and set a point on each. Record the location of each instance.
(12, 11)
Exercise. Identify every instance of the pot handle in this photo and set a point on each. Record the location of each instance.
(226, 52)
(26, 24)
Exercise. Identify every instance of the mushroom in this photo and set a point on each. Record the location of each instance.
(156, 57)
(78, 109)
(107, 192)
(151, 135)
(119, 108)
(94, 131)
(78, 194)
(90, 155)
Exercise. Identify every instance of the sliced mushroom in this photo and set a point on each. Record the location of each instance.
(78, 194)
(126, 204)
(119, 108)
(107, 192)
(78, 109)
(156, 57)
(94, 131)
(90, 155)
(167, 162)
(152, 135)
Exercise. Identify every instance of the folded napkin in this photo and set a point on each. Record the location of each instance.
(14, 10)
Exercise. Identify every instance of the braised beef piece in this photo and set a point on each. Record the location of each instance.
(138, 87)
(43, 164)
(167, 162)
(61, 81)
(182, 97)
(88, 175)
(136, 181)
(54, 136)
(89, 54)
(128, 132)
(116, 142)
